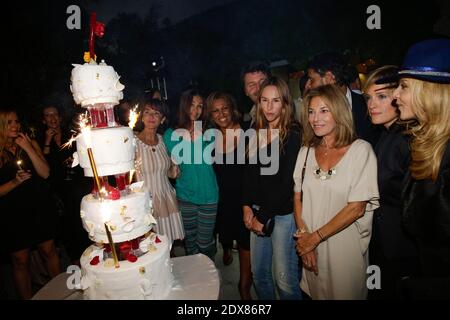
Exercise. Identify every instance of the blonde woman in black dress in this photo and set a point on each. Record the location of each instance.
(28, 212)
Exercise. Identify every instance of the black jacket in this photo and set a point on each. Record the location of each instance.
(273, 193)
(393, 156)
(426, 214)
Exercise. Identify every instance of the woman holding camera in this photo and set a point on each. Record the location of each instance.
(268, 191)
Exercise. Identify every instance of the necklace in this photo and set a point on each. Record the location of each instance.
(150, 142)
(327, 147)
(318, 172)
(324, 175)
(153, 146)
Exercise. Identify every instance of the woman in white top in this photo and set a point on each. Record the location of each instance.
(153, 165)
(336, 192)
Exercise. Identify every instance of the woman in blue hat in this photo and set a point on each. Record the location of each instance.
(423, 94)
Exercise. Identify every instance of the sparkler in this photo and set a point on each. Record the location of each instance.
(133, 117)
(86, 132)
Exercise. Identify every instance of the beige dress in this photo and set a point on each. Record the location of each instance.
(342, 258)
(152, 165)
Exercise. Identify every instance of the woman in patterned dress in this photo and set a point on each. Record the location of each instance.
(154, 167)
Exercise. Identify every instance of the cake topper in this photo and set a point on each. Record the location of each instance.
(96, 29)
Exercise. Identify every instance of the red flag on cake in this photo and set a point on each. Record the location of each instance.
(96, 29)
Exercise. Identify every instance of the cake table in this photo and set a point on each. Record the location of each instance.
(195, 278)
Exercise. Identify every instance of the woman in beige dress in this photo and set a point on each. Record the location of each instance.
(335, 194)
(154, 167)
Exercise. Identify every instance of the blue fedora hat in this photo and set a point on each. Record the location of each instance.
(428, 60)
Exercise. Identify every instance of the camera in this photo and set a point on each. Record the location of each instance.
(269, 225)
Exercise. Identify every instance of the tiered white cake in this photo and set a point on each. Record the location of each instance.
(145, 270)
(149, 278)
(93, 83)
(113, 150)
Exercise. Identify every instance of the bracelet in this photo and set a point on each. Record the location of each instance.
(301, 230)
(320, 235)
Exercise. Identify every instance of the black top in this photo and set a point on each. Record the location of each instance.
(69, 186)
(427, 218)
(57, 158)
(229, 221)
(393, 158)
(66, 182)
(363, 125)
(28, 211)
(273, 193)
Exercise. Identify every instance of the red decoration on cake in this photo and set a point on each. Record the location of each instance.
(95, 261)
(135, 244)
(96, 29)
(114, 194)
(131, 257)
(99, 29)
(124, 246)
(121, 181)
(157, 240)
(125, 249)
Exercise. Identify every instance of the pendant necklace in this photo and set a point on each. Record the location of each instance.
(324, 175)
(150, 143)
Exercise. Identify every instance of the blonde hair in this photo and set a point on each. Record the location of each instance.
(287, 112)
(382, 72)
(340, 110)
(4, 115)
(430, 102)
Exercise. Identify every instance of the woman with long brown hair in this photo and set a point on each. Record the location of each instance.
(267, 200)
(196, 186)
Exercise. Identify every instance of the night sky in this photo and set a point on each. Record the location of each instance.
(204, 42)
(175, 10)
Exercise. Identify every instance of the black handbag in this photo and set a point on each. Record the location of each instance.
(268, 226)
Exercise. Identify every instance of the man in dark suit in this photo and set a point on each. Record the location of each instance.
(330, 68)
(252, 75)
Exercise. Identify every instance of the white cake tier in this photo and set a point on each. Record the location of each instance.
(149, 278)
(128, 217)
(92, 83)
(113, 150)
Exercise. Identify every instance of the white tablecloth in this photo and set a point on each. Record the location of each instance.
(195, 278)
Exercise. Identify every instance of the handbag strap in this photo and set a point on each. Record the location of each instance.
(303, 174)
